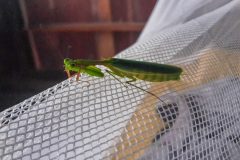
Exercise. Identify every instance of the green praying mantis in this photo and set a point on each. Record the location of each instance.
(123, 68)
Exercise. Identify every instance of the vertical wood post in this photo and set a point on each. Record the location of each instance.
(130, 17)
(104, 40)
(35, 54)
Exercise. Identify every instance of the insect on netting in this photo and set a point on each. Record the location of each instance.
(105, 120)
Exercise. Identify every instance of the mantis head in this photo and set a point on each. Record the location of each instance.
(81, 66)
(69, 65)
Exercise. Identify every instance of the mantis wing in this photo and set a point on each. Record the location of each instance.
(93, 71)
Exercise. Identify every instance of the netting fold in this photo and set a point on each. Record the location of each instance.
(199, 118)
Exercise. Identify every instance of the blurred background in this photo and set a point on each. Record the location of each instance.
(36, 35)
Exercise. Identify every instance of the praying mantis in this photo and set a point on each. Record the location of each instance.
(123, 68)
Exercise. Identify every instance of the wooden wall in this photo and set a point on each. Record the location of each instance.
(88, 29)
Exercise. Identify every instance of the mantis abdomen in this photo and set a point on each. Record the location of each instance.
(146, 71)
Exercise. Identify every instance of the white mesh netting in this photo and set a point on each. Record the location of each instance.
(109, 121)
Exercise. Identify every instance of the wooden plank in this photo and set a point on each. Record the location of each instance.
(104, 10)
(104, 40)
(130, 17)
(36, 59)
(91, 27)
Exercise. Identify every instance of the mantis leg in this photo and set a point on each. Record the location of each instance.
(68, 73)
(134, 79)
(78, 76)
(113, 74)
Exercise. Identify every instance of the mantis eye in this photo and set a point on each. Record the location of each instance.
(73, 65)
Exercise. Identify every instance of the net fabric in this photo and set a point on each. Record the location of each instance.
(105, 120)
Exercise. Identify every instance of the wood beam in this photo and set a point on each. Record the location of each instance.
(91, 27)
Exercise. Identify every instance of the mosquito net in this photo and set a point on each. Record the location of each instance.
(199, 118)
